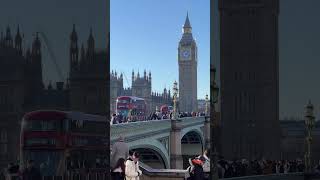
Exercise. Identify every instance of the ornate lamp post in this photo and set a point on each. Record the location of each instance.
(214, 99)
(207, 103)
(176, 161)
(309, 123)
(175, 99)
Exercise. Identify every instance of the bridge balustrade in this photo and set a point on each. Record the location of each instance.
(144, 127)
(169, 174)
(130, 130)
(149, 173)
(69, 176)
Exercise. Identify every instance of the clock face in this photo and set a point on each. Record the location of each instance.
(185, 53)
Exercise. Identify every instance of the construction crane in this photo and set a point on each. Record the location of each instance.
(125, 78)
(52, 56)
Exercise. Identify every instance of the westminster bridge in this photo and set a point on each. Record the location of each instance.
(163, 141)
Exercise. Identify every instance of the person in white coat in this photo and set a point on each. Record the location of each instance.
(132, 170)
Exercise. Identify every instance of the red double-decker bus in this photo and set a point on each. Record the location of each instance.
(136, 106)
(58, 141)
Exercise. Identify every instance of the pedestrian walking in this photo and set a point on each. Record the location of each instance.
(114, 119)
(119, 150)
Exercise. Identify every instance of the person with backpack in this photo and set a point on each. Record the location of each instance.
(195, 170)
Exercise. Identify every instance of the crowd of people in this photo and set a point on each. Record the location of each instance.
(243, 167)
(119, 118)
(125, 165)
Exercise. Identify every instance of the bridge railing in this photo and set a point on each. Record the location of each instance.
(68, 176)
(145, 127)
(178, 174)
(171, 174)
(282, 176)
(149, 173)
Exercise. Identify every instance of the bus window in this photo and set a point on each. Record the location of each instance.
(41, 125)
(122, 101)
(87, 127)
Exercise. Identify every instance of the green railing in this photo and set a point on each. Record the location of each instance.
(133, 129)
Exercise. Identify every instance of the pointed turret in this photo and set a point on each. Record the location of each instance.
(18, 42)
(74, 51)
(132, 77)
(36, 63)
(8, 38)
(187, 26)
(36, 45)
(90, 42)
(73, 35)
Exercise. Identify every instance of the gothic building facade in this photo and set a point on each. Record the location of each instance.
(141, 86)
(22, 88)
(249, 79)
(88, 77)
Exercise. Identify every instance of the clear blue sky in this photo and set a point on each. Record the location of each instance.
(145, 34)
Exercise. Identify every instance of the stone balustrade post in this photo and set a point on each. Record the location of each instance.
(176, 161)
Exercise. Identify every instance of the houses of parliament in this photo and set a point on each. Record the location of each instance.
(141, 87)
(22, 88)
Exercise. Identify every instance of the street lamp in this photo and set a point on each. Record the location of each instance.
(309, 123)
(207, 102)
(175, 99)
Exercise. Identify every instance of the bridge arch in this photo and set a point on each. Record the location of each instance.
(197, 132)
(153, 154)
(192, 145)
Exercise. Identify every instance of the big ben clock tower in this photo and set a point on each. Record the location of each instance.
(187, 59)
